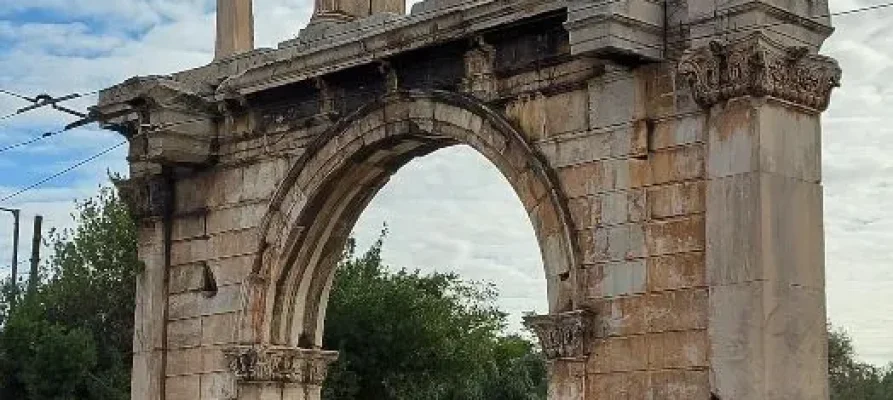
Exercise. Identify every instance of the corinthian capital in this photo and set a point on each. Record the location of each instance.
(254, 364)
(758, 67)
(563, 336)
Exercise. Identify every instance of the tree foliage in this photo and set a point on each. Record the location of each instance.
(72, 337)
(410, 336)
(851, 379)
(401, 335)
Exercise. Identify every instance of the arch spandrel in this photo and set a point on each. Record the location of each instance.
(322, 196)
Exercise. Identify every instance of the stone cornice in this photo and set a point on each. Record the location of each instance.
(564, 335)
(758, 67)
(258, 364)
(156, 92)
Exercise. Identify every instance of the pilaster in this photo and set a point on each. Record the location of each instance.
(765, 250)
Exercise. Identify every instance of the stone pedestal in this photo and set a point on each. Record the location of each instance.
(279, 373)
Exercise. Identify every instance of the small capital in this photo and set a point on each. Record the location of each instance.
(256, 364)
(565, 335)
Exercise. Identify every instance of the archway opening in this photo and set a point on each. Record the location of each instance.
(322, 197)
(426, 312)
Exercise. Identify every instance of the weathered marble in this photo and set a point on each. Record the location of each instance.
(670, 166)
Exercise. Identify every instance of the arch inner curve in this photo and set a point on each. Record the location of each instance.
(324, 193)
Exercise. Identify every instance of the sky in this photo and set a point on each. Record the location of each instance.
(451, 210)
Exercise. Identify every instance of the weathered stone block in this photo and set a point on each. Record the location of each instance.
(619, 385)
(677, 310)
(220, 385)
(184, 362)
(686, 349)
(676, 200)
(683, 131)
(679, 384)
(778, 232)
(678, 164)
(567, 112)
(677, 271)
(618, 354)
(621, 242)
(765, 338)
(675, 236)
(615, 99)
(620, 316)
(182, 388)
(194, 304)
(219, 329)
(763, 136)
(184, 333)
(619, 279)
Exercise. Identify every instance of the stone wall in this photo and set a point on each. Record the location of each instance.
(674, 185)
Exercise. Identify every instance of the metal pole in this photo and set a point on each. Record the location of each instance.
(15, 249)
(35, 254)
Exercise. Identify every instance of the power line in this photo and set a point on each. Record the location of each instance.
(63, 172)
(110, 149)
(30, 141)
(14, 94)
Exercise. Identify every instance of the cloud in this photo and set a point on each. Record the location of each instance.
(450, 211)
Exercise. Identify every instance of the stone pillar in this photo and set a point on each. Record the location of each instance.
(566, 340)
(765, 259)
(235, 28)
(279, 373)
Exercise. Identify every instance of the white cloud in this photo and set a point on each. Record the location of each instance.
(467, 215)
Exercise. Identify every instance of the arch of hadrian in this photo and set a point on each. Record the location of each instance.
(667, 152)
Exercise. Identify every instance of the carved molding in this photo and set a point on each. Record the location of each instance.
(255, 364)
(758, 67)
(565, 335)
(480, 66)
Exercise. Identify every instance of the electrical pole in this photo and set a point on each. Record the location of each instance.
(35, 254)
(15, 247)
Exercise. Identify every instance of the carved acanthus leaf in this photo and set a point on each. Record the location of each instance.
(759, 67)
(565, 335)
(279, 364)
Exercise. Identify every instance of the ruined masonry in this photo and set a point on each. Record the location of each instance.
(668, 155)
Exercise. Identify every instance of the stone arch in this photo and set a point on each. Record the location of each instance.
(326, 190)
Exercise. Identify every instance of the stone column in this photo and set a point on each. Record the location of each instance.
(566, 340)
(765, 259)
(279, 373)
(235, 28)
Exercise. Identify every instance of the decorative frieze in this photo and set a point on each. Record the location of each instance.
(759, 67)
(565, 335)
(255, 364)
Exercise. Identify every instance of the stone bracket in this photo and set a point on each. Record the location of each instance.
(260, 364)
(149, 196)
(563, 336)
(624, 28)
(758, 67)
(179, 126)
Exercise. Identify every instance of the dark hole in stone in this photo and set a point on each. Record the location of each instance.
(209, 283)
(564, 276)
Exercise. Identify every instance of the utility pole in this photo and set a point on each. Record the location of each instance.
(35, 254)
(15, 247)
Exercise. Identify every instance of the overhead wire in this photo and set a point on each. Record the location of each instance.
(168, 125)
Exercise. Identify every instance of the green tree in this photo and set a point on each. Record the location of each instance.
(410, 336)
(72, 337)
(851, 379)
